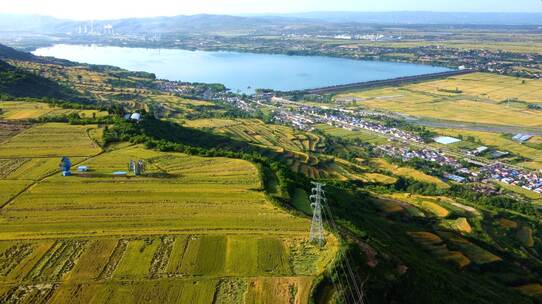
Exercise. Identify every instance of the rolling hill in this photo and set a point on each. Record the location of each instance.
(19, 83)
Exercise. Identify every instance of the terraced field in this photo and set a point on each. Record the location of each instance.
(297, 148)
(440, 207)
(257, 132)
(452, 224)
(190, 230)
(436, 246)
(302, 151)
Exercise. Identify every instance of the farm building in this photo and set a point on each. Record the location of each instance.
(480, 150)
(522, 137)
(456, 178)
(499, 154)
(133, 116)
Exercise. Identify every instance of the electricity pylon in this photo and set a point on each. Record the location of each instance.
(317, 228)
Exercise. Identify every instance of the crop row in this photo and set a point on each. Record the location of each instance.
(69, 269)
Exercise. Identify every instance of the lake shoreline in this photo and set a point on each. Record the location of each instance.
(238, 50)
(243, 72)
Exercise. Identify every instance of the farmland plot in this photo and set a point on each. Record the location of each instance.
(278, 290)
(50, 140)
(11, 128)
(480, 98)
(21, 110)
(14, 110)
(189, 230)
(10, 188)
(93, 260)
(137, 258)
(204, 265)
(37, 168)
(7, 166)
(191, 197)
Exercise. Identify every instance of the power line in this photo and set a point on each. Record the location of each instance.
(320, 210)
(351, 277)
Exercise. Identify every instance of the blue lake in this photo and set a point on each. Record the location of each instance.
(242, 72)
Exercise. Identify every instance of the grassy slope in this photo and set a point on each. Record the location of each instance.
(19, 83)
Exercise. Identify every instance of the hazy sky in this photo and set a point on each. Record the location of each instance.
(108, 9)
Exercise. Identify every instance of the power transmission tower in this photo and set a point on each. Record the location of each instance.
(317, 228)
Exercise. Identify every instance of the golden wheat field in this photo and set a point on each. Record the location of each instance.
(473, 98)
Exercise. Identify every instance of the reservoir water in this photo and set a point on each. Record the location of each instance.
(242, 72)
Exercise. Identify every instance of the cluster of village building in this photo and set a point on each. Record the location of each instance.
(513, 176)
(354, 123)
(177, 87)
(296, 120)
(406, 153)
(496, 171)
(307, 116)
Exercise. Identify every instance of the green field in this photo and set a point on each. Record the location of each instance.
(188, 228)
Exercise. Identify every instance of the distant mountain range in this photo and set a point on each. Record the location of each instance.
(28, 23)
(452, 18)
(215, 23)
(192, 23)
